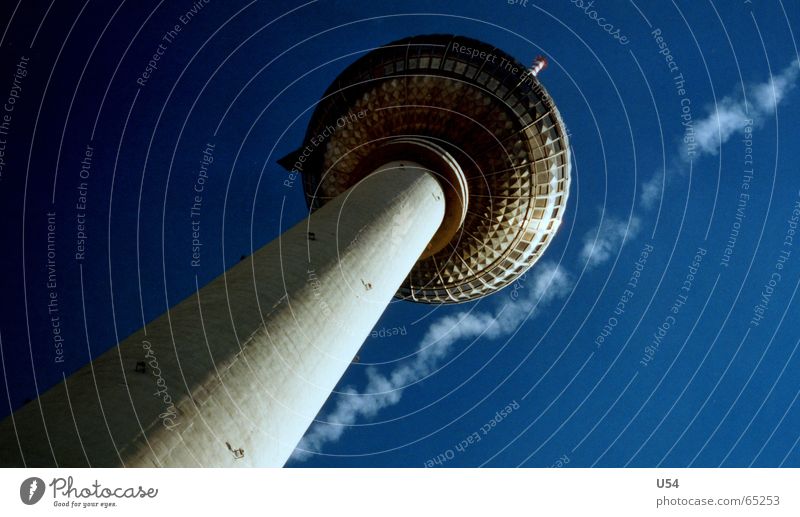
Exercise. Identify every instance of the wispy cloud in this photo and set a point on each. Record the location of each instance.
(720, 125)
(727, 118)
(651, 190)
(550, 282)
(606, 239)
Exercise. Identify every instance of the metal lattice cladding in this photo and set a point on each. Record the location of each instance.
(499, 124)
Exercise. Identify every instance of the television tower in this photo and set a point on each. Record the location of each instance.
(436, 169)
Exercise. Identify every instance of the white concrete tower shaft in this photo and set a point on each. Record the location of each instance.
(235, 374)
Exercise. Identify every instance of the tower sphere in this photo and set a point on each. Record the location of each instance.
(481, 122)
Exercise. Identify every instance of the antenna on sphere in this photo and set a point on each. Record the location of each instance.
(539, 64)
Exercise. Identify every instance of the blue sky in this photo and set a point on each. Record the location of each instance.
(515, 379)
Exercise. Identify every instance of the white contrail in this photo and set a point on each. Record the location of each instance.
(728, 118)
(605, 241)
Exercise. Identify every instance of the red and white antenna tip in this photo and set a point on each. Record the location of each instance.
(539, 64)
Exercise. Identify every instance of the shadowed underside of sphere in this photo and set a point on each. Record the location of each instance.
(497, 123)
